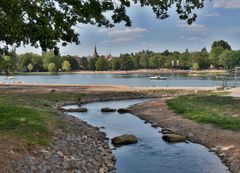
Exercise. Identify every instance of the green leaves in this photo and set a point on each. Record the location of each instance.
(44, 23)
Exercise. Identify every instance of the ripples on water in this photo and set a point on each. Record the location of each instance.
(151, 154)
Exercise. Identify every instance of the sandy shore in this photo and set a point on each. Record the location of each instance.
(225, 143)
(45, 88)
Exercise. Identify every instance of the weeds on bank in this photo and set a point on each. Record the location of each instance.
(222, 111)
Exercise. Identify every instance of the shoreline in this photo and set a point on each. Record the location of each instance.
(225, 143)
(150, 71)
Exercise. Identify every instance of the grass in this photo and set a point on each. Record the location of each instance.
(31, 117)
(220, 110)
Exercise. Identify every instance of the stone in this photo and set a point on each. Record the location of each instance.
(124, 140)
(108, 110)
(166, 131)
(155, 125)
(77, 110)
(173, 138)
(66, 164)
(123, 110)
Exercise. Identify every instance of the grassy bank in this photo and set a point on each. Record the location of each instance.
(219, 110)
(31, 117)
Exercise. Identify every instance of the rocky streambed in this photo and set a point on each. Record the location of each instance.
(80, 148)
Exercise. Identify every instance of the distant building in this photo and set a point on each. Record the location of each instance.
(108, 57)
(95, 54)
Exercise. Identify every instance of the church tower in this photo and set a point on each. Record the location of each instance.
(95, 54)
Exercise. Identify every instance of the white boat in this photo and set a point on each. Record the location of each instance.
(9, 77)
(158, 77)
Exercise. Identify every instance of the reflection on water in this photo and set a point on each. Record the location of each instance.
(151, 154)
(117, 79)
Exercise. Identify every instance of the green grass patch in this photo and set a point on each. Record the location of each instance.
(220, 110)
(32, 117)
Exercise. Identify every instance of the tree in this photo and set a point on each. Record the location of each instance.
(66, 66)
(72, 60)
(214, 55)
(92, 63)
(154, 61)
(229, 59)
(115, 64)
(222, 44)
(44, 23)
(25, 59)
(30, 67)
(52, 67)
(195, 66)
(101, 64)
(50, 57)
(127, 63)
(8, 64)
(84, 64)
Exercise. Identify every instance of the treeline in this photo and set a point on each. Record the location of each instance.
(221, 56)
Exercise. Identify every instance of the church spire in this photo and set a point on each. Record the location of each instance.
(95, 54)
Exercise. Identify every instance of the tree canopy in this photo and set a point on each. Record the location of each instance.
(45, 23)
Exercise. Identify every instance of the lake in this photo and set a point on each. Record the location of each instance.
(135, 80)
(151, 154)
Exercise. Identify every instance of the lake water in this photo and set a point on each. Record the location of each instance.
(140, 80)
(151, 154)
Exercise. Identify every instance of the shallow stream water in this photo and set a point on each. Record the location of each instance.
(151, 154)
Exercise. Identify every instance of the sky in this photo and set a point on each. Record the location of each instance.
(218, 20)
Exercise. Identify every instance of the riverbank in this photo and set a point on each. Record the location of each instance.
(29, 116)
(221, 141)
(35, 137)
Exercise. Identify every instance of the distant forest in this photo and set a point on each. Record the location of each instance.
(221, 56)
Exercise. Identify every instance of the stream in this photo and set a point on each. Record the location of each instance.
(151, 154)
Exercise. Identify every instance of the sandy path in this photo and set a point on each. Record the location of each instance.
(225, 143)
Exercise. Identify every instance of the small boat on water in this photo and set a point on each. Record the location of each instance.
(158, 77)
(9, 77)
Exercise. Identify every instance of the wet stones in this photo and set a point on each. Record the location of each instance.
(173, 138)
(123, 110)
(107, 109)
(77, 110)
(124, 140)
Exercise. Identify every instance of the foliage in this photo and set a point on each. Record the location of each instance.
(220, 110)
(30, 58)
(214, 55)
(195, 66)
(66, 66)
(8, 64)
(30, 67)
(92, 64)
(101, 64)
(44, 23)
(52, 67)
(74, 64)
(229, 59)
(84, 64)
(50, 57)
(126, 63)
(222, 44)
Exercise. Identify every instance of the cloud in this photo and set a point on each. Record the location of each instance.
(118, 40)
(211, 15)
(125, 32)
(231, 4)
(195, 27)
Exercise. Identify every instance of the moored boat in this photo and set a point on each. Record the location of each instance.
(158, 77)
